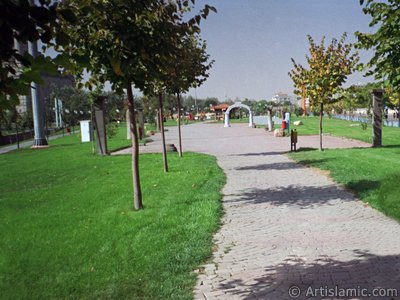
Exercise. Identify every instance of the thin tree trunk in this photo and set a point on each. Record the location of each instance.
(17, 133)
(270, 125)
(158, 121)
(137, 191)
(165, 161)
(179, 125)
(398, 115)
(16, 128)
(320, 126)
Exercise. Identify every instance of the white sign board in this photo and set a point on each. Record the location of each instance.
(276, 120)
(260, 120)
(86, 131)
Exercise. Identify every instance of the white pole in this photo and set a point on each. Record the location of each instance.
(226, 120)
(251, 119)
(60, 107)
(37, 102)
(56, 111)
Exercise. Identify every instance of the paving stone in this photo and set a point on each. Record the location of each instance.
(285, 224)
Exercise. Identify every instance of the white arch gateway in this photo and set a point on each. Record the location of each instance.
(236, 105)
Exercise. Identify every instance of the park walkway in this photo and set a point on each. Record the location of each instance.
(286, 225)
(26, 144)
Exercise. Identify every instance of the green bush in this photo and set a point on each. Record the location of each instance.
(111, 130)
(364, 125)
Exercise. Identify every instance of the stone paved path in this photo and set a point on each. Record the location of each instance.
(286, 225)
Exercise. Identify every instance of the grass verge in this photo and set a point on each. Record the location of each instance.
(67, 228)
(342, 128)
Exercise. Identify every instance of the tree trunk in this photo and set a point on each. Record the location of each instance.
(179, 125)
(270, 126)
(398, 115)
(304, 107)
(160, 100)
(17, 134)
(321, 113)
(137, 191)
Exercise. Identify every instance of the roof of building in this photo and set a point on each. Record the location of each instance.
(222, 106)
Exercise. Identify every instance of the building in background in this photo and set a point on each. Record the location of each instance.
(281, 98)
(50, 82)
(219, 110)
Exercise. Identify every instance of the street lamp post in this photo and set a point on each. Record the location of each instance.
(40, 140)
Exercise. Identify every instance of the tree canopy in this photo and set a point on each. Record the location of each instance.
(328, 68)
(129, 42)
(22, 22)
(385, 41)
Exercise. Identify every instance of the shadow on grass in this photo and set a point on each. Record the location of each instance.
(363, 186)
(64, 145)
(390, 146)
(362, 271)
(306, 149)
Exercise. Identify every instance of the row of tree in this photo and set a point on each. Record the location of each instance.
(153, 45)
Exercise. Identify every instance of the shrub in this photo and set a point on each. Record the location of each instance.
(111, 129)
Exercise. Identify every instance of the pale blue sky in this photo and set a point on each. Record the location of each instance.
(252, 42)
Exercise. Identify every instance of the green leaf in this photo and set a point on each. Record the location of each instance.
(69, 15)
(40, 14)
(212, 8)
(62, 39)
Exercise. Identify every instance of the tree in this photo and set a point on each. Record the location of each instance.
(22, 22)
(328, 68)
(385, 42)
(259, 107)
(128, 43)
(74, 100)
(190, 70)
(149, 105)
(356, 96)
(169, 72)
(299, 76)
(210, 101)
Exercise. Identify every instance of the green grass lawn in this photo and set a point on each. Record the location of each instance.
(346, 129)
(119, 141)
(370, 172)
(68, 230)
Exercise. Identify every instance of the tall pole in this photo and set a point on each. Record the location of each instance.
(56, 111)
(60, 109)
(37, 103)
